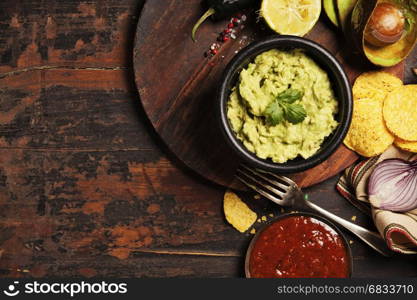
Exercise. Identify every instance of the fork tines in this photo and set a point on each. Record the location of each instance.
(261, 182)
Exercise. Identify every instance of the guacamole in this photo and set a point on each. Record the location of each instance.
(272, 73)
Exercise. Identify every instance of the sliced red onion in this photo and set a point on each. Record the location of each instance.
(393, 185)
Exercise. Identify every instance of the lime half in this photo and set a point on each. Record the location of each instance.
(292, 17)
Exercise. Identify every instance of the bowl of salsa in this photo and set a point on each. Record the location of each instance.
(299, 245)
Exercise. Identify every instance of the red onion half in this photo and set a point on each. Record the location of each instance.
(393, 185)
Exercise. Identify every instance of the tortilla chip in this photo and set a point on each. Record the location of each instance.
(406, 145)
(237, 213)
(368, 134)
(375, 85)
(400, 112)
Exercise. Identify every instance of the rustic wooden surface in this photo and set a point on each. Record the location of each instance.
(86, 186)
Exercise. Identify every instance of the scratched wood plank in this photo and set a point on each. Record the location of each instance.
(86, 187)
(84, 177)
(66, 33)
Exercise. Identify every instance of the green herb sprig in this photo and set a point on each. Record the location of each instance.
(283, 107)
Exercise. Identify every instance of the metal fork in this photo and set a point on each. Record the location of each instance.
(285, 192)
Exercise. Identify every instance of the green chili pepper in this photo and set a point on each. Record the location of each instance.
(221, 9)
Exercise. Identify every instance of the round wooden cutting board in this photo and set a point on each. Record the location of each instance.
(177, 85)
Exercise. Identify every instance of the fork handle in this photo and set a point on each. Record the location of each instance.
(371, 238)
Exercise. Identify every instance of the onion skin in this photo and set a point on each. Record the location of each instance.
(386, 25)
(393, 185)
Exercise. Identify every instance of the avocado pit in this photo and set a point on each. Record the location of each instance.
(386, 25)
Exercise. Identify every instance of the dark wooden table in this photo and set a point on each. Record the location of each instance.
(86, 187)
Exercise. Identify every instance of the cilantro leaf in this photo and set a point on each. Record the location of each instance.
(283, 107)
(295, 113)
(290, 96)
(274, 113)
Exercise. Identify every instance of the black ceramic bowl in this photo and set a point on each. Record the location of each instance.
(305, 214)
(340, 84)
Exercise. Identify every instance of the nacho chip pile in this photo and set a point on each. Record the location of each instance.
(385, 112)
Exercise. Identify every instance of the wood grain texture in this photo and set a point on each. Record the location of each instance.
(178, 84)
(86, 186)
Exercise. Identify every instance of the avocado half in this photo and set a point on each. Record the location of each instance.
(345, 8)
(330, 10)
(339, 11)
(392, 54)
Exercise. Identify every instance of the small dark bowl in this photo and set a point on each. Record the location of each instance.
(314, 216)
(340, 85)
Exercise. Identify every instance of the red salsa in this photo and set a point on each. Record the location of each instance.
(299, 247)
